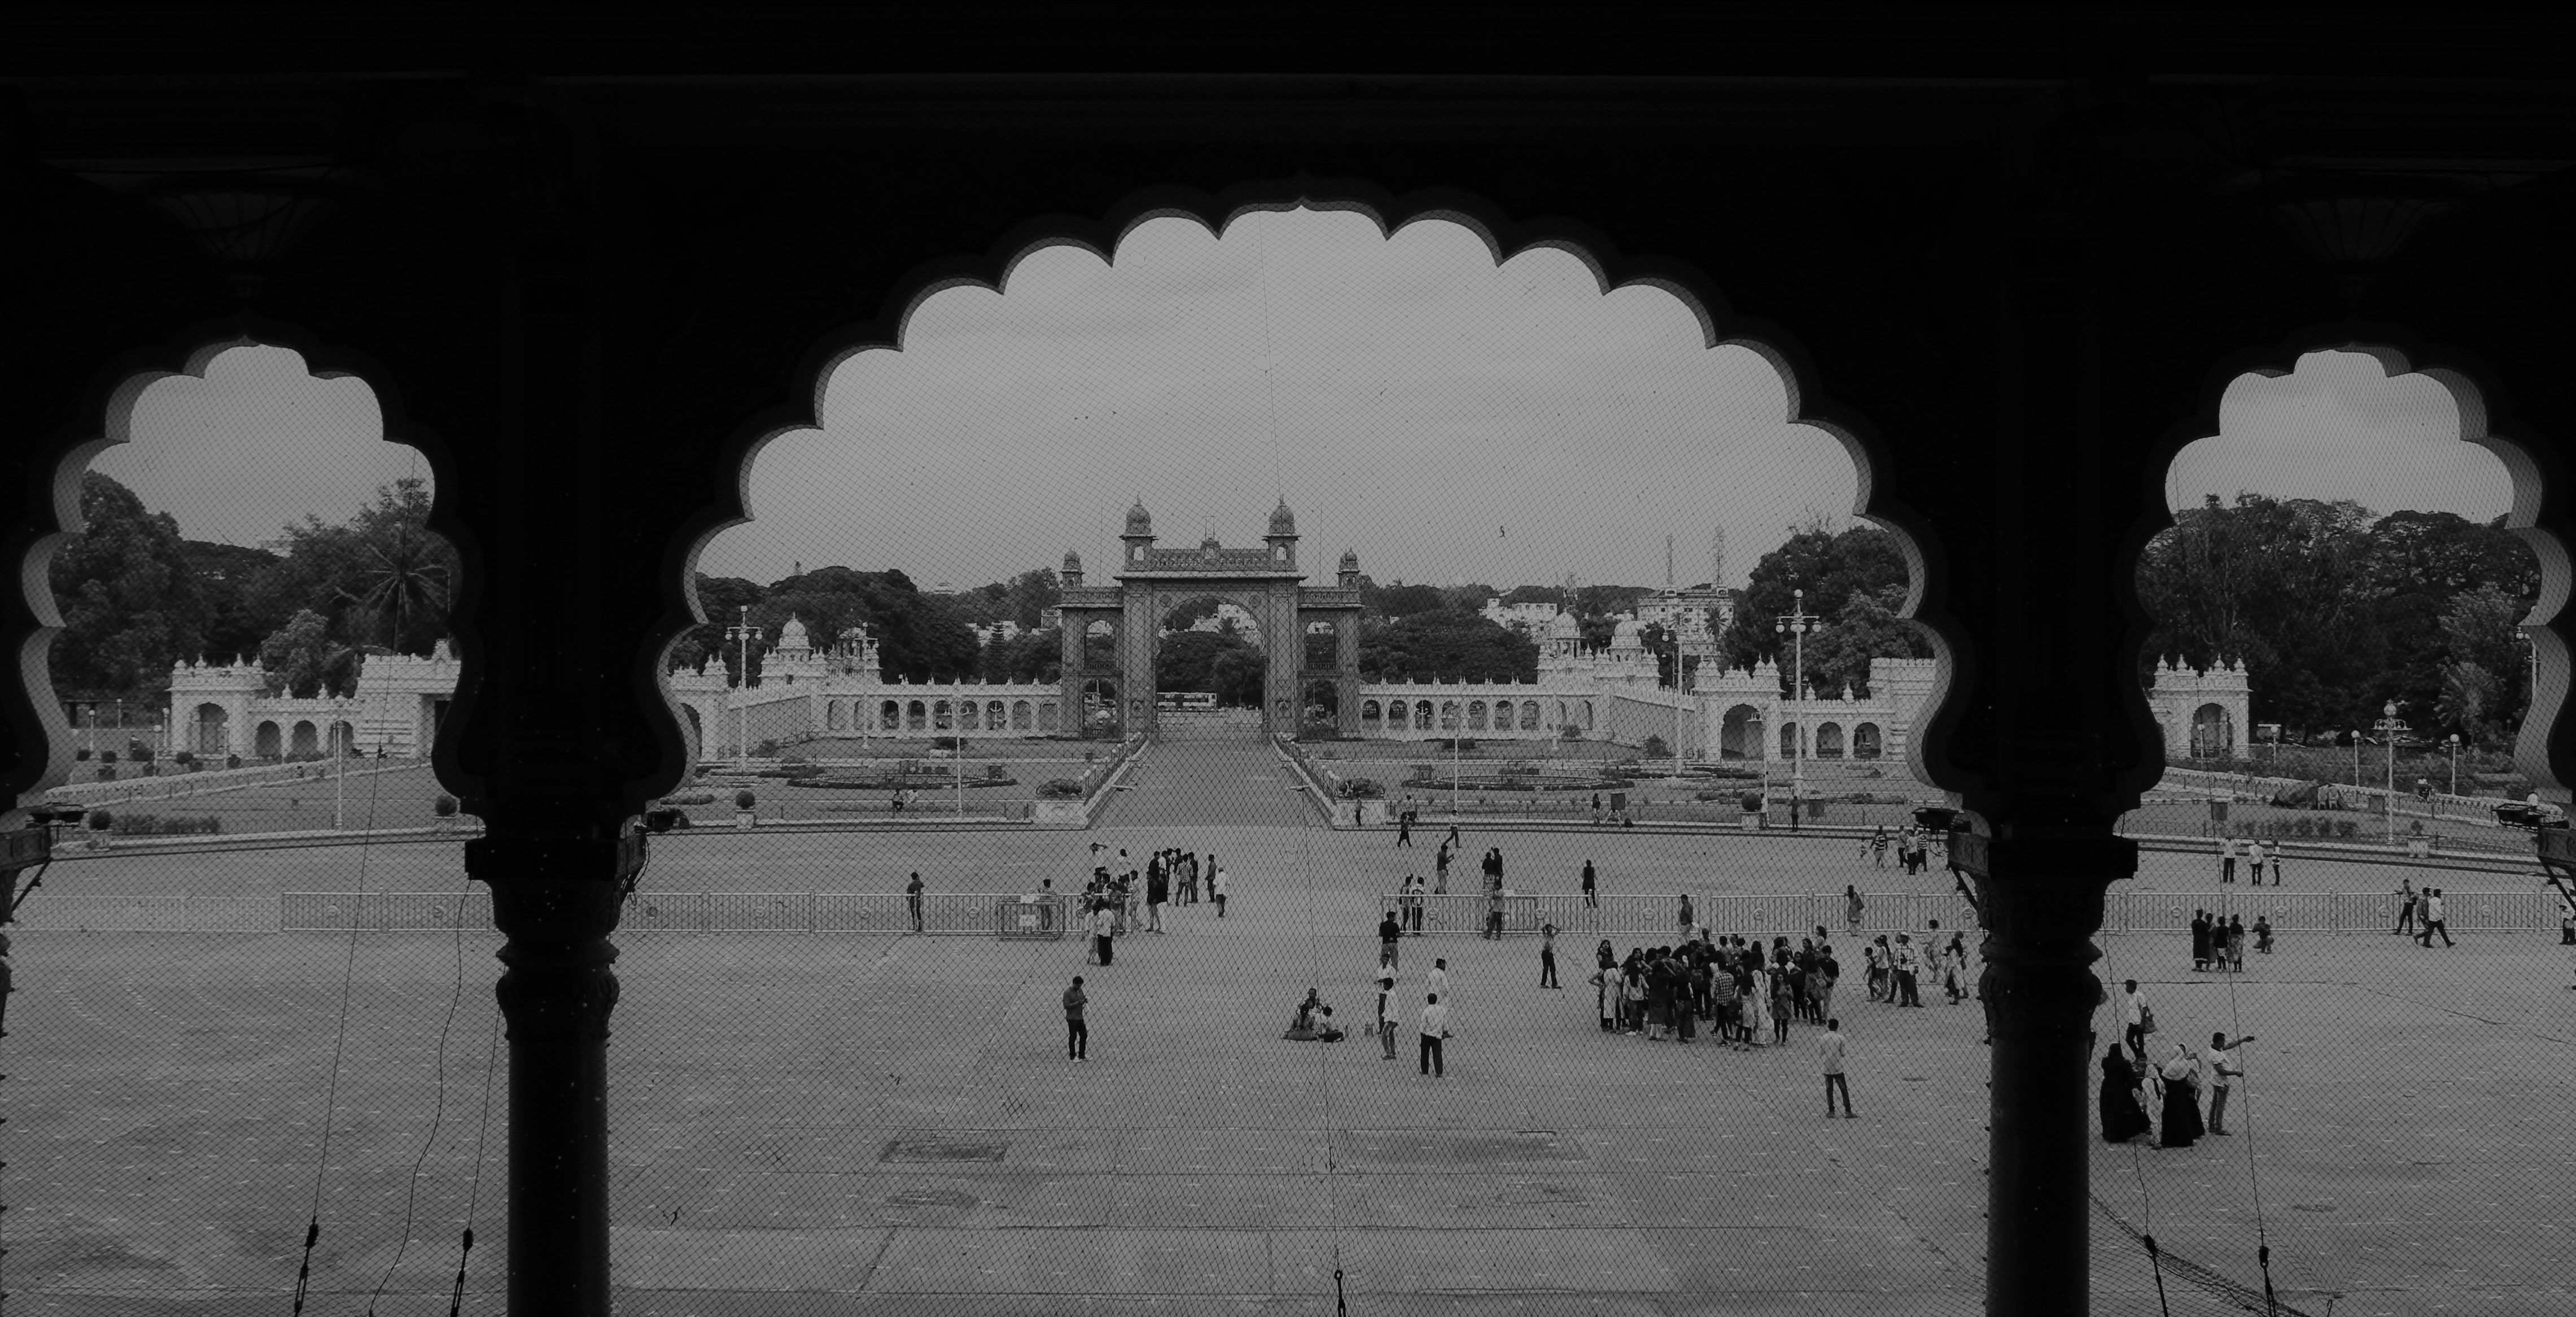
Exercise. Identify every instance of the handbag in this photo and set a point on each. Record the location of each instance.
(2147, 1019)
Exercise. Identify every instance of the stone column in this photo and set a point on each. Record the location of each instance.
(2041, 904)
(557, 901)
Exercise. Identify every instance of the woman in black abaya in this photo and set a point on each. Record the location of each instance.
(2122, 1118)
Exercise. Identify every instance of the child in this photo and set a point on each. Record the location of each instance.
(2263, 935)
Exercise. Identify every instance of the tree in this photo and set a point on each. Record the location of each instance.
(1228, 667)
(1866, 628)
(380, 576)
(1448, 645)
(2483, 677)
(1029, 656)
(301, 659)
(1398, 600)
(131, 607)
(226, 575)
(1831, 567)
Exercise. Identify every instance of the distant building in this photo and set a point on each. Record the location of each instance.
(1529, 619)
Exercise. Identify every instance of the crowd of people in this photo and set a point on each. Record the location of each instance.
(1119, 898)
(2175, 1083)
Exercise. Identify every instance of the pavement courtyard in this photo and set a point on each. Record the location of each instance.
(881, 1124)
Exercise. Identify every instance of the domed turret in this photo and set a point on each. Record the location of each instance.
(792, 635)
(1564, 627)
(1072, 573)
(1283, 523)
(1139, 522)
(1349, 571)
(1625, 636)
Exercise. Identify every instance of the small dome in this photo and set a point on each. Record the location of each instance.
(1139, 522)
(1072, 561)
(1282, 521)
(791, 635)
(1350, 560)
(1624, 635)
(1564, 627)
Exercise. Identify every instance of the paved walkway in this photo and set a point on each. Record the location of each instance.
(1201, 783)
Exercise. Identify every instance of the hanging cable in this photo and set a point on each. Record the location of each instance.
(438, 1110)
(474, 1193)
(340, 1042)
(2253, 1174)
(2146, 1205)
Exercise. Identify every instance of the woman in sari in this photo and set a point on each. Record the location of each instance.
(2179, 1077)
(1757, 1005)
(2123, 1117)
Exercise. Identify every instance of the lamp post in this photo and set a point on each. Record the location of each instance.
(2389, 726)
(2455, 763)
(2356, 759)
(1796, 623)
(743, 635)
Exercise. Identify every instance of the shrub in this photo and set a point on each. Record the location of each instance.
(100, 820)
(802, 770)
(154, 825)
(2415, 827)
(1362, 788)
(232, 761)
(767, 748)
(2305, 827)
(742, 800)
(1751, 801)
(81, 754)
(1571, 731)
(444, 807)
(107, 756)
(697, 798)
(1815, 811)
(184, 759)
(107, 772)
(2347, 827)
(1656, 749)
(1062, 788)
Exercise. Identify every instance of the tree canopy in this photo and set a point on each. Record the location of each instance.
(1226, 666)
(1446, 645)
(130, 602)
(1854, 580)
(2335, 611)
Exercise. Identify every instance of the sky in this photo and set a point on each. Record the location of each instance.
(1449, 419)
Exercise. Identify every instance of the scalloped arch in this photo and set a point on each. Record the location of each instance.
(1503, 238)
(120, 386)
(2477, 392)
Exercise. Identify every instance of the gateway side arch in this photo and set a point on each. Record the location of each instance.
(1150, 581)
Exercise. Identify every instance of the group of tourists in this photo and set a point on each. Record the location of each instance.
(2255, 858)
(1912, 844)
(1746, 993)
(1898, 968)
(1119, 898)
(2436, 918)
(2175, 1082)
(2219, 944)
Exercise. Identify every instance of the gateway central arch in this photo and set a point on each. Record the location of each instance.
(1265, 582)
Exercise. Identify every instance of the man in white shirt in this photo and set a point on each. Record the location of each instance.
(2223, 1067)
(1437, 981)
(1829, 1051)
(2133, 1019)
(1909, 967)
(1435, 1029)
(2433, 920)
(2227, 859)
(2254, 862)
(1386, 1013)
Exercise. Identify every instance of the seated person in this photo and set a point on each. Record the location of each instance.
(2262, 934)
(1312, 1016)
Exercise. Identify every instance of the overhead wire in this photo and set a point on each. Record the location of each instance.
(438, 1110)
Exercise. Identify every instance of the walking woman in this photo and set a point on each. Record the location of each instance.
(1605, 981)
(1852, 906)
(1757, 1005)
(2123, 1117)
(2179, 1077)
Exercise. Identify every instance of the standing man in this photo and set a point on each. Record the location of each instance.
(1878, 849)
(1437, 981)
(1386, 1013)
(2254, 862)
(1829, 1049)
(1547, 956)
(912, 898)
(2406, 907)
(1077, 1035)
(1690, 917)
(2134, 1014)
(1217, 887)
(1390, 938)
(1494, 909)
(1435, 1030)
(1104, 925)
(1158, 892)
(1412, 903)
(2433, 920)
(1591, 892)
(1440, 868)
(2227, 859)
(2566, 920)
(2222, 1068)
(1404, 829)
(1909, 963)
